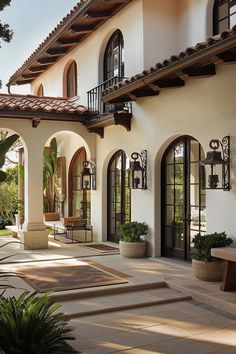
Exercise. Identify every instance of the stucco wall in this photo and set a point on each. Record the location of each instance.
(89, 54)
(203, 109)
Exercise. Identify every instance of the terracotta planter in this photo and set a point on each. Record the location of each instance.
(208, 271)
(133, 249)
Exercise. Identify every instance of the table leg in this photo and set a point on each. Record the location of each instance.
(229, 276)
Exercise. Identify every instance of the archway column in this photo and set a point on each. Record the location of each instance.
(34, 234)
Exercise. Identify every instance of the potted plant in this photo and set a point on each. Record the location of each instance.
(205, 267)
(132, 243)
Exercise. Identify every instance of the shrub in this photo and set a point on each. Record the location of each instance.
(132, 231)
(30, 325)
(204, 243)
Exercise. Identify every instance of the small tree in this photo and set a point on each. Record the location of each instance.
(5, 32)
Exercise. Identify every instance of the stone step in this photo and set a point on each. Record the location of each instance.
(105, 303)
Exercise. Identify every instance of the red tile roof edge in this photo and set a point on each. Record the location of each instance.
(158, 67)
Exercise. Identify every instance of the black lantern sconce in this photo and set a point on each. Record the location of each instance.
(217, 164)
(138, 170)
(88, 176)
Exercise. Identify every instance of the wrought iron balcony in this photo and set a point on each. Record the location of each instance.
(98, 108)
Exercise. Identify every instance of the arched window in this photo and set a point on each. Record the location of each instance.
(40, 91)
(70, 80)
(118, 208)
(79, 200)
(114, 56)
(224, 16)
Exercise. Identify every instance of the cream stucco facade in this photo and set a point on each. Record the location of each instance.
(203, 109)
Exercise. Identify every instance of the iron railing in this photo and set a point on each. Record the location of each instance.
(95, 105)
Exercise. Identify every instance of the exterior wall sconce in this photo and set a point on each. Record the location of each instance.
(88, 176)
(138, 170)
(217, 164)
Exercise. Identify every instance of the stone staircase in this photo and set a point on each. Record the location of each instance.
(109, 299)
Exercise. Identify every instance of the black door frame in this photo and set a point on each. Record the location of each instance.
(184, 254)
(123, 200)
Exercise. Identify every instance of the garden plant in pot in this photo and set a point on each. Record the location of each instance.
(205, 267)
(132, 243)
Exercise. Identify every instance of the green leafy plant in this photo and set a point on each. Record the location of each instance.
(5, 145)
(32, 325)
(204, 243)
(49, 169)
(132, 232)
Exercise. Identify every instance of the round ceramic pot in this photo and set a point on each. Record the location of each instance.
(208, 271)
(133, 249)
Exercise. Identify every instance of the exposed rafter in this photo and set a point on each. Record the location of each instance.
(57, 51)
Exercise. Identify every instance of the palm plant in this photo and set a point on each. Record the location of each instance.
(32, 325)
(5, 145)
(49, 169)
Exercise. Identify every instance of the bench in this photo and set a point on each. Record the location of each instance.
(67, 226)
(228, 254)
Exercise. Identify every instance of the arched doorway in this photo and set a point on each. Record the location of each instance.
(79, 200)
(183, 199)
(118, 206)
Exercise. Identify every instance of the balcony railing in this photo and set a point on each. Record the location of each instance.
(97, 107)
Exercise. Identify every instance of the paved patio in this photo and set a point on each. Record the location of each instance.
(162, 309)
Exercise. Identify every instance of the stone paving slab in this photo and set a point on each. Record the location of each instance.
(157, 331)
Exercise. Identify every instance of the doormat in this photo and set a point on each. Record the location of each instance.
(102, 248)
(66, 275)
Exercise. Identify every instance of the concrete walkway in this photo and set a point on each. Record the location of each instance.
(162, 308)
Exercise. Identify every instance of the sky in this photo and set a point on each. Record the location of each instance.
(31, 22)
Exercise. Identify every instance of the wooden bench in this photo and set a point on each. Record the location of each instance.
(228, 254)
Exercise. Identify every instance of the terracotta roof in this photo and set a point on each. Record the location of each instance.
(218, 48)
(45, 106)
(82, 20)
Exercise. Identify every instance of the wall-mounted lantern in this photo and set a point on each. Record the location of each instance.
(217, 164)
(138, 170)
(88, 176)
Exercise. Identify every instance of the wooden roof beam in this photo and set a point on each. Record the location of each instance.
(204, 71)
(144, 92)
(98, 15)
(30, 76)
(23, 82)
(39, 68)
(68, 41)
(81, 29)
(47, 60)
(57, 51)
(228, 57)
(171, 82)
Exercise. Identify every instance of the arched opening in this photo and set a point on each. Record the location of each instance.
(183, 200)
(113, 63)
(224, 15)
(12, 181)
(118, 196)
(70, 80)
(79, 200)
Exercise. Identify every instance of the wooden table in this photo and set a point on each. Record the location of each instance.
(229, 277)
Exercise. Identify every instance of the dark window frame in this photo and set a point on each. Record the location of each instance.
(115, 41)
(216, 16)
(125, 190)
(71, 80)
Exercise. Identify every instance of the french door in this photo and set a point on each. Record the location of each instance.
(118, 206)
(183, 199)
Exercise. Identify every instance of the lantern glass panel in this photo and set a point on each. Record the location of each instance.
(86, 182)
